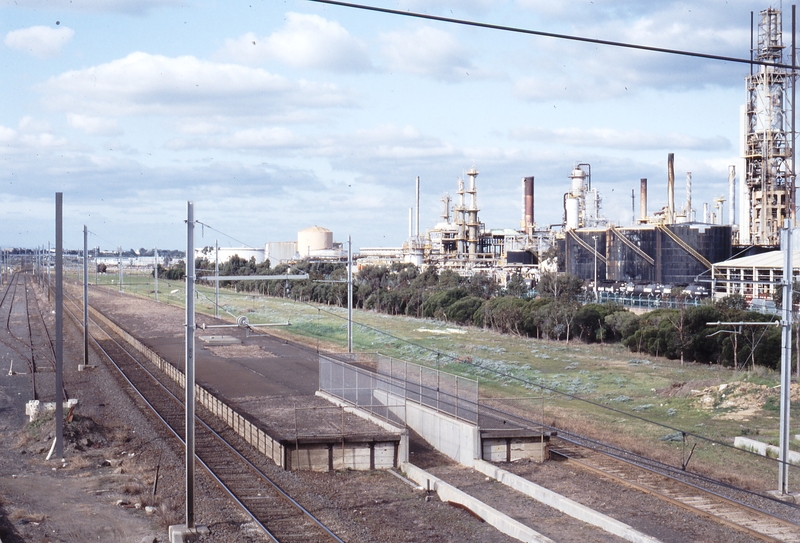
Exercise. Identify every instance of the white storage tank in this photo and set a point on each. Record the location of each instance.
(572, 207)
(313, 238)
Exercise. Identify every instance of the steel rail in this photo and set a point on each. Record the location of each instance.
(214, 433)
(663, 470)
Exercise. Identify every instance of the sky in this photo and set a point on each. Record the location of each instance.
(273, 116)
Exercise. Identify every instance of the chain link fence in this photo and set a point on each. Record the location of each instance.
(397, 382)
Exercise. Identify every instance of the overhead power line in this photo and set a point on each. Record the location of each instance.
(554, 35)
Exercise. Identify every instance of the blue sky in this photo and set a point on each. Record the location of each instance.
(273, 116)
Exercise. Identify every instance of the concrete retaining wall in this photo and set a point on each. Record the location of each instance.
(511, 449)
(458, 440)
(449, 493)
(402, 450)
(563, 504)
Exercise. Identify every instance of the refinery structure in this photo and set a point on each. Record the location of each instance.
(676, 245)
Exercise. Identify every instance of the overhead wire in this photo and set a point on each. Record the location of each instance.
(518, 30)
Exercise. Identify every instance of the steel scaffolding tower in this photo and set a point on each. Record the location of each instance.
(767, 143)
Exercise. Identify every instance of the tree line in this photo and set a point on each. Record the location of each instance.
(554, 310)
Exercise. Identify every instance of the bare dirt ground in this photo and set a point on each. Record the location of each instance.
(104, 490)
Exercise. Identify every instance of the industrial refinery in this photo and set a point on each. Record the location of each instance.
(673, 245)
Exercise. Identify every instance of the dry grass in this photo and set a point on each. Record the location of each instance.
(18, 515)
(171, 512)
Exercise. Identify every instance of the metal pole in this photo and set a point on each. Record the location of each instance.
(793, 189)
(216, 274)
(155, 269)
(59, 330)
(349, 294)
(85, 296)
(120, 268)
(190, 326)
(595, 268)
(96, 253)
(48, 271)
(786, 359)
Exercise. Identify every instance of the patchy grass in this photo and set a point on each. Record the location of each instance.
(605, 391)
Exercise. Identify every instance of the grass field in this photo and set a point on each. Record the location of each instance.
(650, 405)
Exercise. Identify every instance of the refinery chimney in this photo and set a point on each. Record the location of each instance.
(417, 211)
(643, 200)
(671, 188)
(527, 204)
(732, 195)
(688, 196)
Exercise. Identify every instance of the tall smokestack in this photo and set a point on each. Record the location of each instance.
(732, 194)
(417, 232)
(643, 200)
(688, 196)
(671, 188)
(527, 184)
(705, 212)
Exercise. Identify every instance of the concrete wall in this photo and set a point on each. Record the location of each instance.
(458, 440)
(563, 504)
(355, 456)
(450, 494)
(763, 449)
(402, 451)
(497, 449)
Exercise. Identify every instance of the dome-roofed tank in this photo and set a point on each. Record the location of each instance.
(314, 238)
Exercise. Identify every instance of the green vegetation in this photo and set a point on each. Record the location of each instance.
(596, 368)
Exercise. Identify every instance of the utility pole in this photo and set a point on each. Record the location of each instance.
(85, 296)
(176, 532)
(786, 359)
(59, 329)
(350, 294)
(155, 269)
(216, 274)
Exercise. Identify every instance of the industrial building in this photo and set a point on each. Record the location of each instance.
(673, 245)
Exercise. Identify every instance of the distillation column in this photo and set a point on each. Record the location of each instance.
(767, 145)
(472, 214)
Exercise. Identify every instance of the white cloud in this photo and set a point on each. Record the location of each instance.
(306, 41)
(144, 84)
(39, 41)
(245, 140)
(94, 125)
(615, 139)
(426, 51)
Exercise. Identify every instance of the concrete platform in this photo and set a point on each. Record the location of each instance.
(263, 388)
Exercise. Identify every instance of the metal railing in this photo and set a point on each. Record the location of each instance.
(382, 386)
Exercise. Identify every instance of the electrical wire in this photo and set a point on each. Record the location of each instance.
(518, 30)
(204, 225)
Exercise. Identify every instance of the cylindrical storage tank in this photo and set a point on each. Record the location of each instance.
(314, 238)
(572, 205)
(578, 181)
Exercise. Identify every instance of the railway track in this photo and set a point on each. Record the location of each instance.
(27, 336)
(280, 517)
(761, 517)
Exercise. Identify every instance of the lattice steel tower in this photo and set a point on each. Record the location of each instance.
(767, 189)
